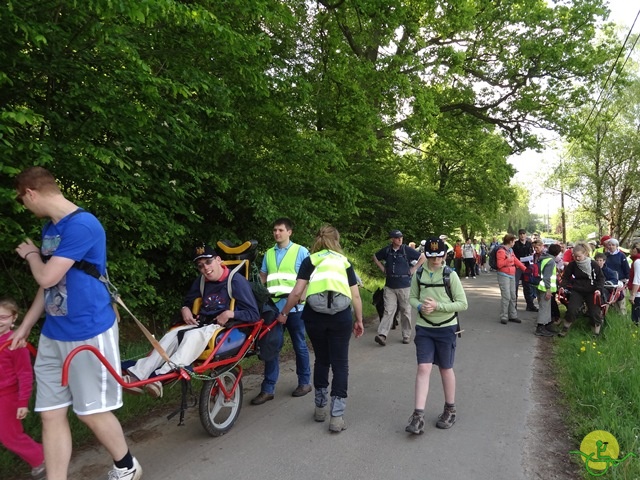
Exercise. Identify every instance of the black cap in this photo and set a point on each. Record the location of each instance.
(435, 247)
(395, 234)
(204, 251)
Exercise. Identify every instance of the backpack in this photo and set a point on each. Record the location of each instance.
(493, 257)
(533, 274)
(446, 283)
(328, 302)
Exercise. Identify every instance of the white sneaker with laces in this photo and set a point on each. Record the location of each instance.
(133, 473)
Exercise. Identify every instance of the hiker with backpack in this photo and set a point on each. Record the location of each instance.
(503, 260)
(398, 268)
(332, 295)
(78, 311)
(438, 296)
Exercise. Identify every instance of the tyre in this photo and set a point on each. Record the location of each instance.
(217, 414)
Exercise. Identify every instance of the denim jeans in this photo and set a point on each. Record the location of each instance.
(295, 327)
(330, 335)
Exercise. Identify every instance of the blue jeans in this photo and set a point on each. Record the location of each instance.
(295, 327)
(330, 335)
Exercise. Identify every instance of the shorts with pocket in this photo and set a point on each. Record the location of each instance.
(436, 345)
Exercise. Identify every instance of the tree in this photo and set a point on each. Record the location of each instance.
(603, 170)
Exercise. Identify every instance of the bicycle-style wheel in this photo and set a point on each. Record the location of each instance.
(218, 414)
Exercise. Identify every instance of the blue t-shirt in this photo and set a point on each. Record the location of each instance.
(79, 306)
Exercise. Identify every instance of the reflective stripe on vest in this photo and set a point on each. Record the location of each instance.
(281, 279)
(330, 273)
(553, 287)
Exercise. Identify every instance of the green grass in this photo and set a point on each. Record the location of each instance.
(600, 383)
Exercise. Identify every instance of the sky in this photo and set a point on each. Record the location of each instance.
(532, 167)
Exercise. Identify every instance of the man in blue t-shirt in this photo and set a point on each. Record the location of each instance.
(78, 312)
(400, 263)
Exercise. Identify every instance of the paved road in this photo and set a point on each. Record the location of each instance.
(280, 440)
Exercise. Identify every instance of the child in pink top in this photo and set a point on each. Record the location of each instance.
(16, 383)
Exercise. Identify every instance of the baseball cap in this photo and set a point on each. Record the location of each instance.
(435, 247)
(604, 239)
(204, 251)
(395, 234)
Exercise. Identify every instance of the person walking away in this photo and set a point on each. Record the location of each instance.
(16, 384)
(634, 284)
(86, 317)
(546, 288)
(583, 277)
(523, 251)
(469, 257)
(280, 267)
(398, 269)
(437, 294)
(507, 263)
(457, 257)
(332, 298)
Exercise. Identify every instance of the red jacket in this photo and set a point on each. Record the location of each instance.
(17, 374)
(507, 261)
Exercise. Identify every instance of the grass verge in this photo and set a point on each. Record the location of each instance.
(599, 379)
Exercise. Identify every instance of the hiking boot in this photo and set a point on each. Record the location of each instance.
(515, 320)
(381, 340)
(336, 425)
(154, 389)
(133, 473)
(542, 331)
(262, 398)
(448, 417)
(503, 321)
(551, 328)
(532, 308)
(39, 472)
(301, 391)
(416, 424)
(563, 332)
(320, 415)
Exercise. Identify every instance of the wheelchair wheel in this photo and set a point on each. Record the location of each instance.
(217, 414)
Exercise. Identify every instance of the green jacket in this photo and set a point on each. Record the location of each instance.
(446, 308)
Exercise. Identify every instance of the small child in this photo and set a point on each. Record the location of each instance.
(16, 383)
(610, 276)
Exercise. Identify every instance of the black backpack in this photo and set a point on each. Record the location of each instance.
(493, 257)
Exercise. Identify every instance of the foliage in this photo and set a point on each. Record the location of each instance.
(182, 122)
(604, 164)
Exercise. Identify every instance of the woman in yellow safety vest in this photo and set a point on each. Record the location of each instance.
(331, 295)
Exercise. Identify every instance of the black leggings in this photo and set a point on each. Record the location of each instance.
(576, 299)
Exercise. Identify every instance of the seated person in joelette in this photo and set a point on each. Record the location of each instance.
(184, 344)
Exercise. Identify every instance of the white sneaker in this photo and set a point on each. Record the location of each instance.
(133, 473)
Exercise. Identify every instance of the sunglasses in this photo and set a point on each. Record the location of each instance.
(207, 262)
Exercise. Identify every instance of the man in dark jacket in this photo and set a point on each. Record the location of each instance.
(523, 251)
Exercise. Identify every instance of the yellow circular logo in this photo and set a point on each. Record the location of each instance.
(600, 448)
